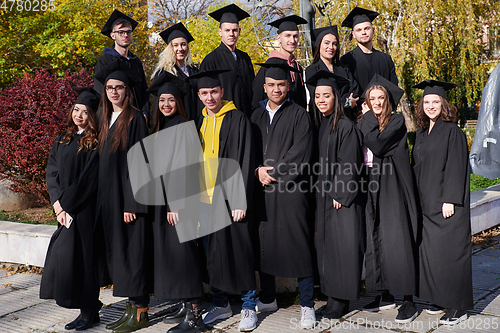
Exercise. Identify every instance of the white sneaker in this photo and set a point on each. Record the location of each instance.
(248, 320)
(261, 307)
(308, 318)
(216, 313)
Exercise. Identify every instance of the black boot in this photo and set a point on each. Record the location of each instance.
(177, 316)
(72, 325)
(193, 322)
(335, 308)
(88, 317)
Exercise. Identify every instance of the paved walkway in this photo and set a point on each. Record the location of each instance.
(22, 311)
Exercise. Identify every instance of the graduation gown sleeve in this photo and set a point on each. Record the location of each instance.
(77, 194)
(454, 191)
(349, 161)
(382, 143)
(299, 154)
(137, 130)
(52, 175)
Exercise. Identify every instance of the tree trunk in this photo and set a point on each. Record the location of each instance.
(404, 107)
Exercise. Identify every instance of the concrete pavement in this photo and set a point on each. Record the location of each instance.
(21, 310)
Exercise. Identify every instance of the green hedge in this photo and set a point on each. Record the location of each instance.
(478, 182)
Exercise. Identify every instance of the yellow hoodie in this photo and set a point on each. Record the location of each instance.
(209, 136)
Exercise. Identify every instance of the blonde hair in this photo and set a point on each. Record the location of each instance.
(166, 60)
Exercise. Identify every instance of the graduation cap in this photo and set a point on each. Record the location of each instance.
(395, 93)
(318, 34)
(118, 70)
(288, 23)
(107, 29)
(327, 78)
(87, 96)
(175, 31)
(229, 14)
(435, 87)
(359, 15)
(208, 78)
(167, 83)
(278, 70)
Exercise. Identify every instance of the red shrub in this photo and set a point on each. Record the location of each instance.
(32, 114)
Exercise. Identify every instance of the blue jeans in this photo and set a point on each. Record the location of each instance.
(268, 289)
(248, 297)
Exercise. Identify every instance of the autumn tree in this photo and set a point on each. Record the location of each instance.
(430, 39)
(68, 36)
(168, 12)
(206, 37)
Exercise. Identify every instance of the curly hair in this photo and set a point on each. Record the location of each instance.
(448, 112)
(167, 60)
(89, 138)
(384, 117)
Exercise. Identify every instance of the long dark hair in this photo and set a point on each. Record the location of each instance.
(89, 139)
(448, 112)
(336, 57)
(179, 108)
(384, 117)
(338, 110)
(119, 140)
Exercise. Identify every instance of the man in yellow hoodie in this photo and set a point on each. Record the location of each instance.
(225, 134)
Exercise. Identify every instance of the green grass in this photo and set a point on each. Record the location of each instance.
(21, 218)
(478, 182)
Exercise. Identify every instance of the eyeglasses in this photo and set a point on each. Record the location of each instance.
(123, 32)
(116, 88)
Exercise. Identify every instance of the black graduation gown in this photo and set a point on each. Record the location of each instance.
(297, 92)
(191, 102)
(237, 83)
(141, 96)
(391, 212)
(68, 275)
(340, 233)
(127, 245)
(177, 266)
(285, 235)
(230, 257)
(363, 70)
(442, 173)
(346, 91)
